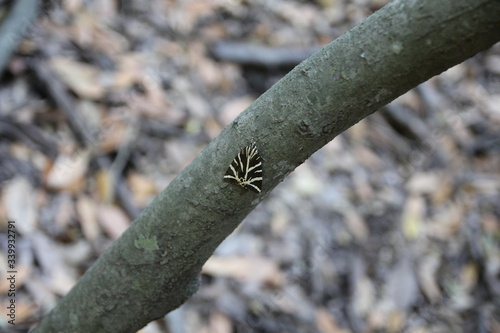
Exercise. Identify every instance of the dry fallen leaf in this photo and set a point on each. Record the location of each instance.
(87, 213)
(401, 285)
(39, 289)
(113, 220)
(152, 327)
(220, 323)
(364, 296)
(413, 217)
(23, 273)
(427, 274)
(143, 188)
(113, 132)
(446, 222)
(105, 185)
(72, 6)
(356, 224)
(423, 183)
(247, 269)
(306, 181)
(129, 70)
(90, 30)
(326, 322)
(82, 79)
(61, 276)
(68, 171)
(20, 204)
(469, 276)
(233, 108)
(24, 310)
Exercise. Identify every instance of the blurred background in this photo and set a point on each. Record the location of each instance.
(394, 226)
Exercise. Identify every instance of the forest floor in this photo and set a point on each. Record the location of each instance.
(394, 226)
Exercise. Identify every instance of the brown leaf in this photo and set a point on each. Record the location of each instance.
(233, 108)
(247, 269)
(356, 224)
(423, 183)
(24, 310)
(306, 182)
(413, 217)
(427, 275)
(20, 204)
(87, 213)
(220, 323)
(326, 322)
(81, 78)
(61, 276)
(68, 171)
(113, 220)
(105, 182)
(143, 188)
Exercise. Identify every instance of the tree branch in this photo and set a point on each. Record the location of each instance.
(153, 267)
(14, 26)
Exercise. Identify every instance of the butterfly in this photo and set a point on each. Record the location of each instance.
(246, 169)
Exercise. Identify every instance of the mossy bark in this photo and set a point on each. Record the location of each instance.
(153, 268)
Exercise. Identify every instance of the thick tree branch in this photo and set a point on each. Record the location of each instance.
(153, 267)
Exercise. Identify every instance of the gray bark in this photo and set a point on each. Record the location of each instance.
(14, 27)
(153, 267)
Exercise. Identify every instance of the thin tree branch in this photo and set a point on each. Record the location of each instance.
(14, 27)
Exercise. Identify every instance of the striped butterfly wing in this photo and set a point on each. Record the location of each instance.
(246, 169)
